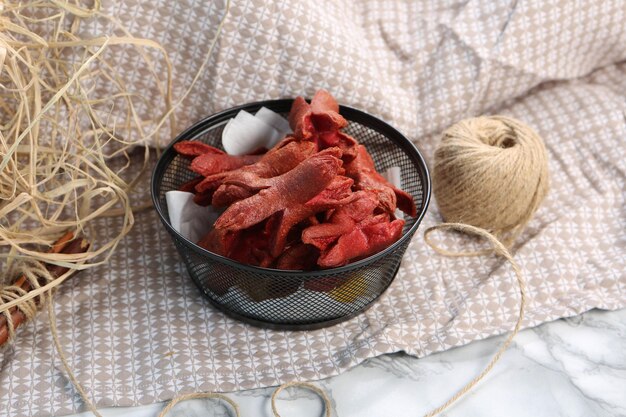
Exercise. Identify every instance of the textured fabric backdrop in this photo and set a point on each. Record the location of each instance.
(137, 331)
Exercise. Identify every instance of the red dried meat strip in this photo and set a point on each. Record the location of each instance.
(249, 246)
(365, 176)
(336, 194)
(292, 188)
(211, 163)
(275, 162)
(298, 257)
(345, 142)
(193, 148)
(367, 238)
(253, 246)
(309, 121)
(324, 116)
(352, 232)
(300, 119)
(238, 184)
(221, 242)
(203, 199)
(323, 101)
(343, 220)
(226, 194)
(190, 186)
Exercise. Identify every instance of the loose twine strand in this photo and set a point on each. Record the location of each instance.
(320, 392)
(499, 249)
(64, 361)
(199, 395)
(31, 273)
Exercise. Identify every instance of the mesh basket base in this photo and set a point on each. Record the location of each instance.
(290, 326)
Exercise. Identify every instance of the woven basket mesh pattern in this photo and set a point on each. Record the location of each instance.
(294, 299)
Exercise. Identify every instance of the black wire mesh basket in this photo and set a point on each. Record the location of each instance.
(295, 300)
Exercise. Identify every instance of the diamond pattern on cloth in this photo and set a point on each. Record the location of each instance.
(137, 331)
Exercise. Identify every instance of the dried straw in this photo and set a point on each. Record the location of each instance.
(69, 120)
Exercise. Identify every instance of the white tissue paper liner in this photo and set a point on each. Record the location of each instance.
(188, 218)
(246, 133)
(274, 119)
(394, 176)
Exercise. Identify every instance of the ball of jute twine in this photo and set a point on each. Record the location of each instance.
(490, 172)
(490, 176)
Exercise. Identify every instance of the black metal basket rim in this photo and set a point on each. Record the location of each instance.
(379, 125)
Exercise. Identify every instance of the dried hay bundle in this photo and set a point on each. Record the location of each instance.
(70, 119)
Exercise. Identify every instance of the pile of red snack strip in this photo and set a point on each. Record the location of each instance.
(315, 200)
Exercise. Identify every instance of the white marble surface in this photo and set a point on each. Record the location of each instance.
(571, 367)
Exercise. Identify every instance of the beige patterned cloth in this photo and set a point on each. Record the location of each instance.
(137, 331)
